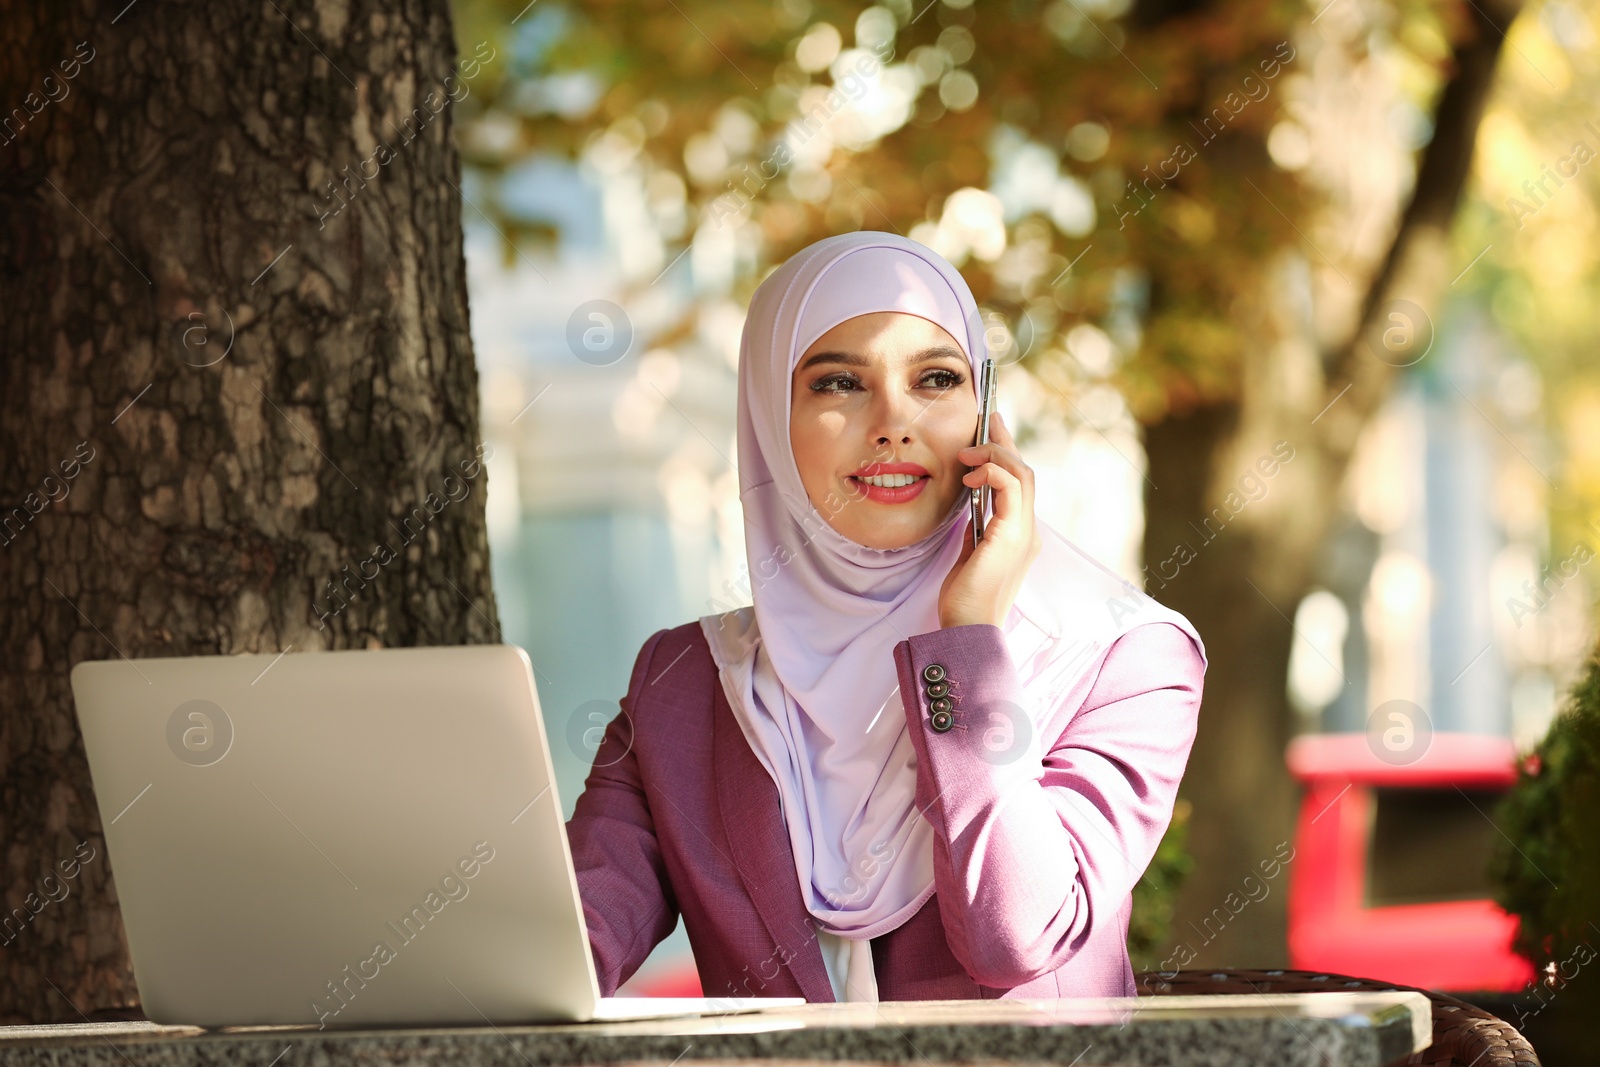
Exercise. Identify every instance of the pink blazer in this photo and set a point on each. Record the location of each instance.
(1033, 865)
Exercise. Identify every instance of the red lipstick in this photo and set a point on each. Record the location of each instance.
(891, 494)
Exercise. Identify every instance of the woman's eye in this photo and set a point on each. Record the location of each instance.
(826, 385)
(944, 379)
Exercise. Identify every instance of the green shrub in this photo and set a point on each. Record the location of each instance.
(1546, 864)
(1156, 893)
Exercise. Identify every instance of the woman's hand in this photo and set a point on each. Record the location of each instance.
(983, 583)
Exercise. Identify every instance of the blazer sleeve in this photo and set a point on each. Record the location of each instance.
(1036, 840)
(628, 903)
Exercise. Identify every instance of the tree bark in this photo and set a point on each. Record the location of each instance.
(241, 404)
(1240, 583)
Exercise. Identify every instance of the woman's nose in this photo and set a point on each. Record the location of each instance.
(894, 415)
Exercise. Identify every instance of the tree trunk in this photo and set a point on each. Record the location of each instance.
(1236, 764)
(241, 405)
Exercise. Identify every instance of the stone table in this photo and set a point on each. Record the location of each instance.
(1354, 1029)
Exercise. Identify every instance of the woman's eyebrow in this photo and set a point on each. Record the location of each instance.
(850, 359)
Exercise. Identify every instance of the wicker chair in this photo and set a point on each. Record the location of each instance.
(1463, 1035)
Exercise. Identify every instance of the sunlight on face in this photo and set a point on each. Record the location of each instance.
(885, 389)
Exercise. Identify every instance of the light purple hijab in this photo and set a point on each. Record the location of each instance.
(809, 669)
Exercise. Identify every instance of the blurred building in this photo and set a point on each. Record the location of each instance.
(1438, 587)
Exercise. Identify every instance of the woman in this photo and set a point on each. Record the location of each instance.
(912, 770)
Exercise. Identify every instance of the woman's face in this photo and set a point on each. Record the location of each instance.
(886, 394)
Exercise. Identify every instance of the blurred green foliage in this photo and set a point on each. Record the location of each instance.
(697, 96)
(1531, 228)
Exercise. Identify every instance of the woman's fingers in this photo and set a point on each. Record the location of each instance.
(1012, 460)
(1000, 447)
(976, 456)
(986, 593)
(1007, 487)
(998, 465)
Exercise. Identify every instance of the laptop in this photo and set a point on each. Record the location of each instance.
(334, 839)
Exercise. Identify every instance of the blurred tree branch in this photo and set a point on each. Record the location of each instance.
(1417, 260)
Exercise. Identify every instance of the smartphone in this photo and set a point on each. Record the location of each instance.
(987, 389)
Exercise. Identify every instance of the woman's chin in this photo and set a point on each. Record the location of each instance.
(888, 533)
(884, 526)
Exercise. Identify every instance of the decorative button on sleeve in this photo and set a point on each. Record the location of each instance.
(936, 690)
